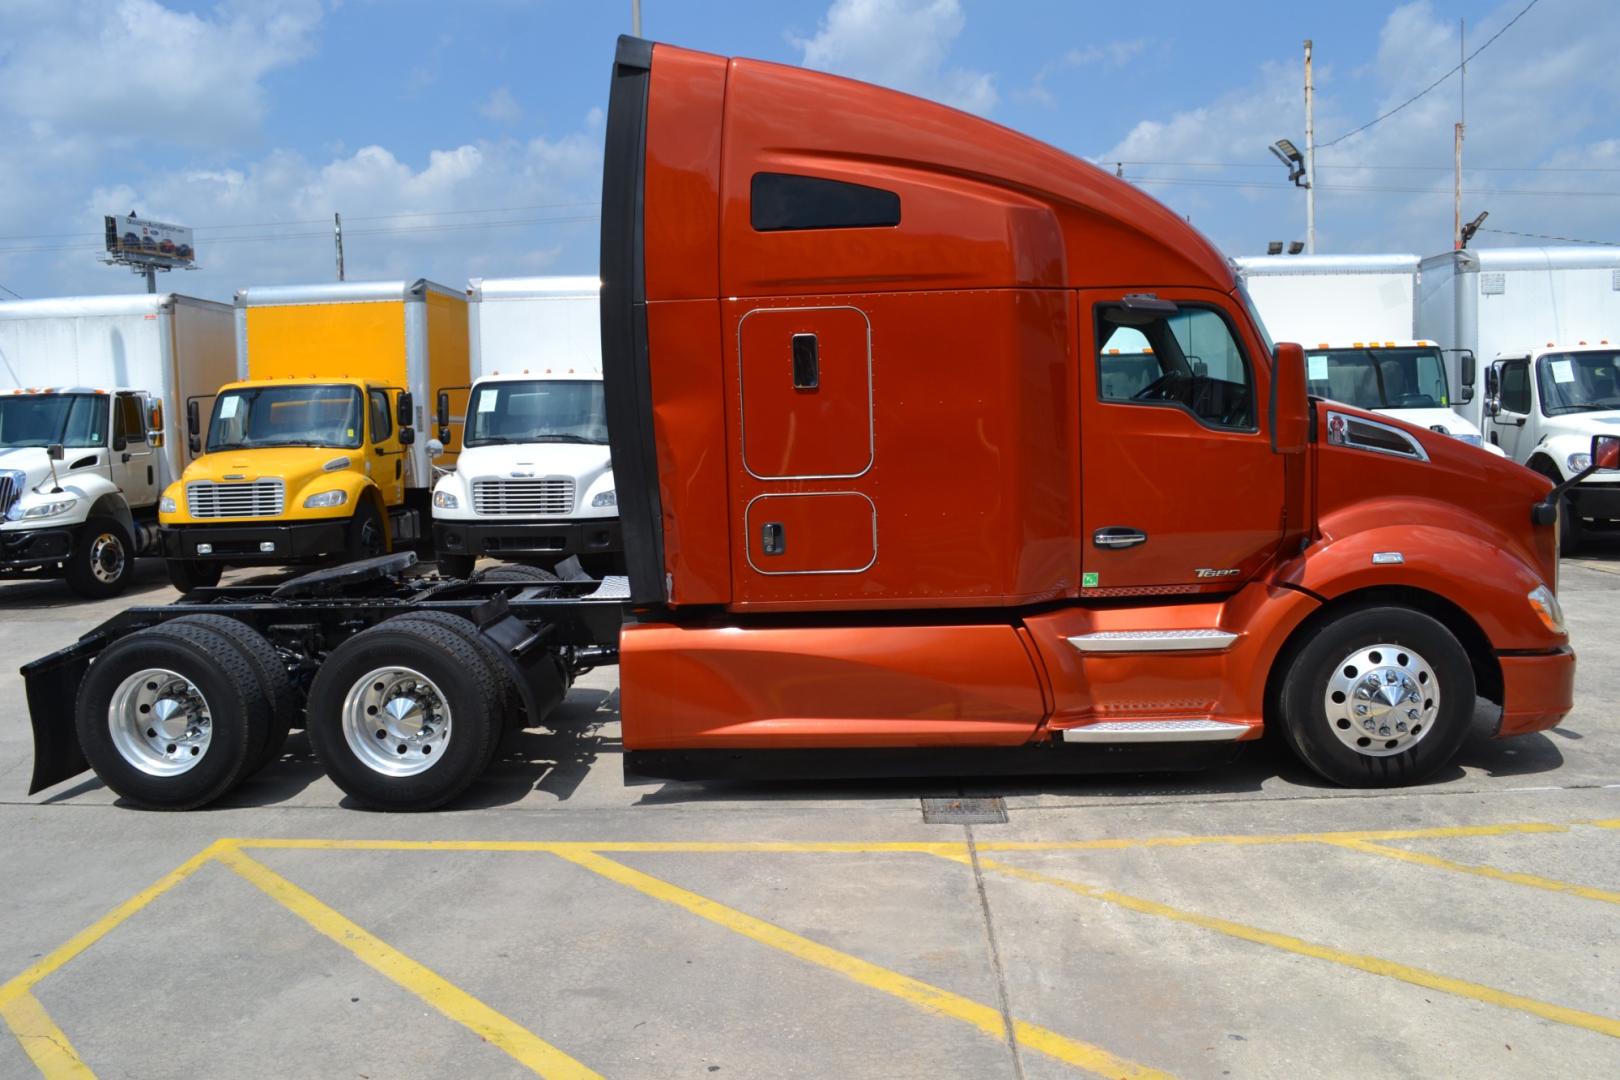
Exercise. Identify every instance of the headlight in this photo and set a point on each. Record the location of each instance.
(1545, 605)
(1579, 462)
(50, 509)
(445, 501)
(610, 497)
(166, 505)
(326, 499)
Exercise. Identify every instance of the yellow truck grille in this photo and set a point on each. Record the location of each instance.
(258, 498)
(535, 497)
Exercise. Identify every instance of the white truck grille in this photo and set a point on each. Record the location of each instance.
(258, 498)
(534, 497)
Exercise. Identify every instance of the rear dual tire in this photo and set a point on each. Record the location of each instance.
(407, 714)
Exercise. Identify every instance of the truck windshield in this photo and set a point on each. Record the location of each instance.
(286, 416)
(1578, 382)
(43, 419)
(1383, 378)
(544, 410)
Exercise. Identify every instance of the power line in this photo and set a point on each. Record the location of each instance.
(1192, 181)
(16, 294)
(1431, 86)
(1544, 236)
(322, 221)
(1270, 166)
(326, 233)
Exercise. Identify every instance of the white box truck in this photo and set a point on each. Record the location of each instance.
(1356, 316)
(534, 480)
(1546, 321)
(92, 392)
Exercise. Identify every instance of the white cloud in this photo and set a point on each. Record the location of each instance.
(134, 70)
(501, 107)
(903, 44)
(1109, 56)
(394, 215)
(1541, 96)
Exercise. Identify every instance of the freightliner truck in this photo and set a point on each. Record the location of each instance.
(92, 389)
(534, 482)
(1547, 322)
(313, 453)
(1356, 316)
(882, 512)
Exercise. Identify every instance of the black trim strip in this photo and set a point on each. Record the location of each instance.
(626, 365)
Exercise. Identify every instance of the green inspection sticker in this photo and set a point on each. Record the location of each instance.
(1088, 581)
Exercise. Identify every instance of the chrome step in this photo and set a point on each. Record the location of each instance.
(1138, 731)
(1153, 640)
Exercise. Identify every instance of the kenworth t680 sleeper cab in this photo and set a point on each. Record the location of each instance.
(887, 504)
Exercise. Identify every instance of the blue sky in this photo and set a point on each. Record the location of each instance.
(256, 120)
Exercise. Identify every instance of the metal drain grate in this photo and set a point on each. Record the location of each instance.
(964, 811)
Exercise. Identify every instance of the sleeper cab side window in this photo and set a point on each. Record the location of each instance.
(783, 201)
(1186, 358)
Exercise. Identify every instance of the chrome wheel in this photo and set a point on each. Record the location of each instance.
(396, 721)
(159, 722)
(1381, 700)
(107, 558)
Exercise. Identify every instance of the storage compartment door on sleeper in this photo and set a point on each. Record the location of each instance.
(805, 378)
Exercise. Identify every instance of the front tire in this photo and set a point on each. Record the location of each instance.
(100, 564)
(187, 575)
(1379, 697)
(404, 715)
(368, 535)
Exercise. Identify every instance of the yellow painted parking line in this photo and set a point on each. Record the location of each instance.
(1374, 965)
(926, 996)
(99, 929)
(1530, 880)
(944, 849)
(52, 1053)
(501, 1031)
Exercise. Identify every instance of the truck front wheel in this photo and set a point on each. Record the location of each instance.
(188, 574)
(368, 536)
(1379, 697)
(99, 566)
(404, 715)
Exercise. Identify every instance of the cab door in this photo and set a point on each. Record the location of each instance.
(1511, 407)
(1181, 490)
(385, 456)
(134, 464)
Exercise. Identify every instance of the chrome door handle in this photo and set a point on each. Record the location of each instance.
(1118, 537)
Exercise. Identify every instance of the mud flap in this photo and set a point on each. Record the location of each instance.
(53, 690)
(540, 672)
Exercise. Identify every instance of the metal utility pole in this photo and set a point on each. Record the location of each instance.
(635, 17)
(1457, 141)
(151, 279)
(337, 237)
(1310, 156)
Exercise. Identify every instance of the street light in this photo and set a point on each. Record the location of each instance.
(1472, 227)
(1287, 153)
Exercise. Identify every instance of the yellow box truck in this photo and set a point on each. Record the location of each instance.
(313, 453)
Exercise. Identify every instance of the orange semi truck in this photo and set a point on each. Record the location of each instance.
(936, 449)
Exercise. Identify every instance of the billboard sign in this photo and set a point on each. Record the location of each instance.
(136, 240)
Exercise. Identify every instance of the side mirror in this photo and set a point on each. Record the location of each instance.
(154, 417)
(444, 408)
(1290, 400)
(1606, 452)
(1493, 380)
(55, 451)
(404, 410)
(1466, 368)
(435, 448)
(407, 436)
(193, 419)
